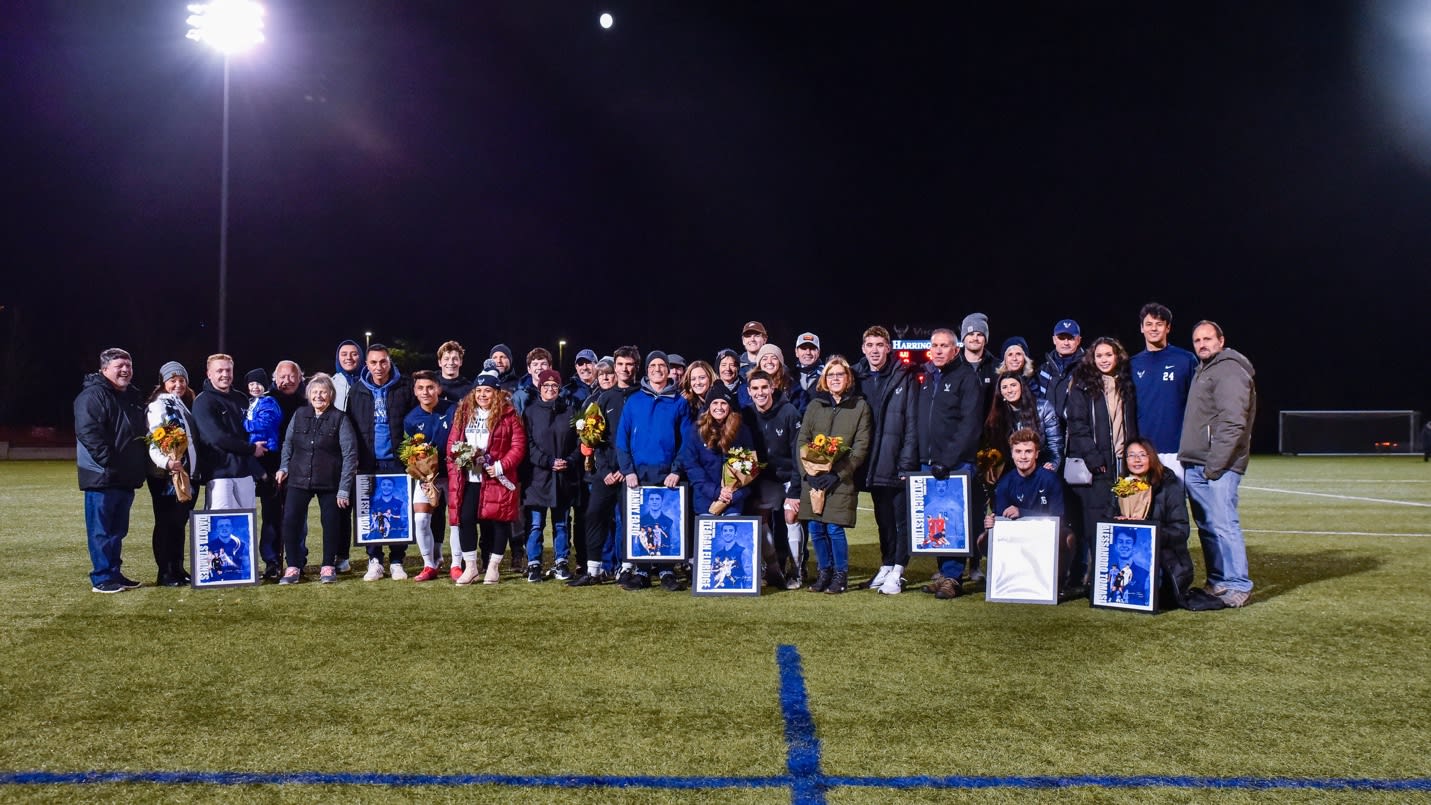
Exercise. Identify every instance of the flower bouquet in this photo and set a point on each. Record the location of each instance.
(591, 432)
(173, 442)
(818, 456)
(465, 456)
(741, 467)
(990, 462)
(1135, 497)
(420, 458)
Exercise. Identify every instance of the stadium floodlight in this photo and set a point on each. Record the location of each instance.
(228, 26)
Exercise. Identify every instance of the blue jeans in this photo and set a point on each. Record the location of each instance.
(106, 519)
(832, 549)
(561, 545)
(1214, 509)
(952, 567)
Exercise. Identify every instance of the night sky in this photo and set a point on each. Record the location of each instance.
(511, 172)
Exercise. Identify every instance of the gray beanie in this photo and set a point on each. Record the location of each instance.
(975, 323)
(172, 368)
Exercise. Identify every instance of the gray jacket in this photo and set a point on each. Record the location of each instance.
(1217, 427)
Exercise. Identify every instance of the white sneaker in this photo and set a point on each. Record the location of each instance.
(344, 566)
(893, 585)
(375, 570)
(881, 576)
(396, 571)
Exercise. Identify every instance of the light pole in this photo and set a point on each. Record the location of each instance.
(561, 351)
(228, 26)
(367, 339)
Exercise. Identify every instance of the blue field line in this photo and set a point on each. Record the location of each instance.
(805, 781)
(388, 780)
(802, 747)
(1137, 781)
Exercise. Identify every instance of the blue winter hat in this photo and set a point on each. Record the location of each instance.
(502, 348)
(657, 355)
(488, 379)
(1015, 341)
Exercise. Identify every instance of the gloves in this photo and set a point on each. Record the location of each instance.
(939, 471)
(824, 482)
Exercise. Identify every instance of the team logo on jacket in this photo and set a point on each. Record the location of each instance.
(779, 431)
(1142, 372)
(947, 385)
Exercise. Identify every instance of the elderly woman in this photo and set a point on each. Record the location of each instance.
(169, 406)
(837, 410)
(485, 494)
(320, 458)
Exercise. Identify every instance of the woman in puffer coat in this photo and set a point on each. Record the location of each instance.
(1102, 418)
(486, 494)
(704, 447)
(836, 411)
(1016, 408)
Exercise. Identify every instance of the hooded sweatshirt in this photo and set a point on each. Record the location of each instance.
(649, 435)
(343, 380)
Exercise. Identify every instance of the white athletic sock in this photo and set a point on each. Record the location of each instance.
(422, 527)
(593, 568)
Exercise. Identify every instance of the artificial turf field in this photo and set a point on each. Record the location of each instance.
(392, 691)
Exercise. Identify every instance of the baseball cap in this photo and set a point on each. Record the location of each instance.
(675, 359)
(754, 327)
(586, 355)
(808, 338)
(1067, 327)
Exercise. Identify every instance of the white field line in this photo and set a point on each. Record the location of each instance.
(1339, 497)
(1335, 533)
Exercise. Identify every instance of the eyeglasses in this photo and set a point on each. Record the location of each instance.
(551, 386)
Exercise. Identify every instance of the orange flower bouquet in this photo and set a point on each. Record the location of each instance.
(173, 441)
(420, 457)
(819, 456)
(591, 432)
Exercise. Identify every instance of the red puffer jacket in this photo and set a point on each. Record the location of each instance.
(507, 444)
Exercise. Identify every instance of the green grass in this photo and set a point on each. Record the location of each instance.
(1324, 675)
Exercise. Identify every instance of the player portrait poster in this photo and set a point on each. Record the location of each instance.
(727, 556)
(1125, 565)
(224, 548)
(384, 510)
(1023, 561)
(937, 514)
(654, 524)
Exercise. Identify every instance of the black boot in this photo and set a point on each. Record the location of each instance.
(822, 580)
(838, 582)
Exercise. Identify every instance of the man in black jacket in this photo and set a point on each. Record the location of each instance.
(891, 390)
(775, 429)
(228, 454)
(111, 459)
(606, 480)
(946, 433)
(377, 405)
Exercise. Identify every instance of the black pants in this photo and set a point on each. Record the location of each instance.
(295, 521)
(495, 534)
(396, 553)
(270, 537)
(1095, 504)
(600, 517)
(578, 524)
(891, 519)
(170, 519)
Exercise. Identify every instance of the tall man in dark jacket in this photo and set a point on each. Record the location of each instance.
(1215, 446)
(227, 452)
(946, 433)
(891, 389)
(606, 480)
(377, 404)
(775, 429)
(112, 462)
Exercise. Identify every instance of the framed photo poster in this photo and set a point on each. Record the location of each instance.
(383, 510)
(224, 550)
(1125, 565)
(727, 556)
(654, 524)
(1023, 561)
(938, 523)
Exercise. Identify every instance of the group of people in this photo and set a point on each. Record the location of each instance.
(1045, 437)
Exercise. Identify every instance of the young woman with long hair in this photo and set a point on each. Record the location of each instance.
(486, 495)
